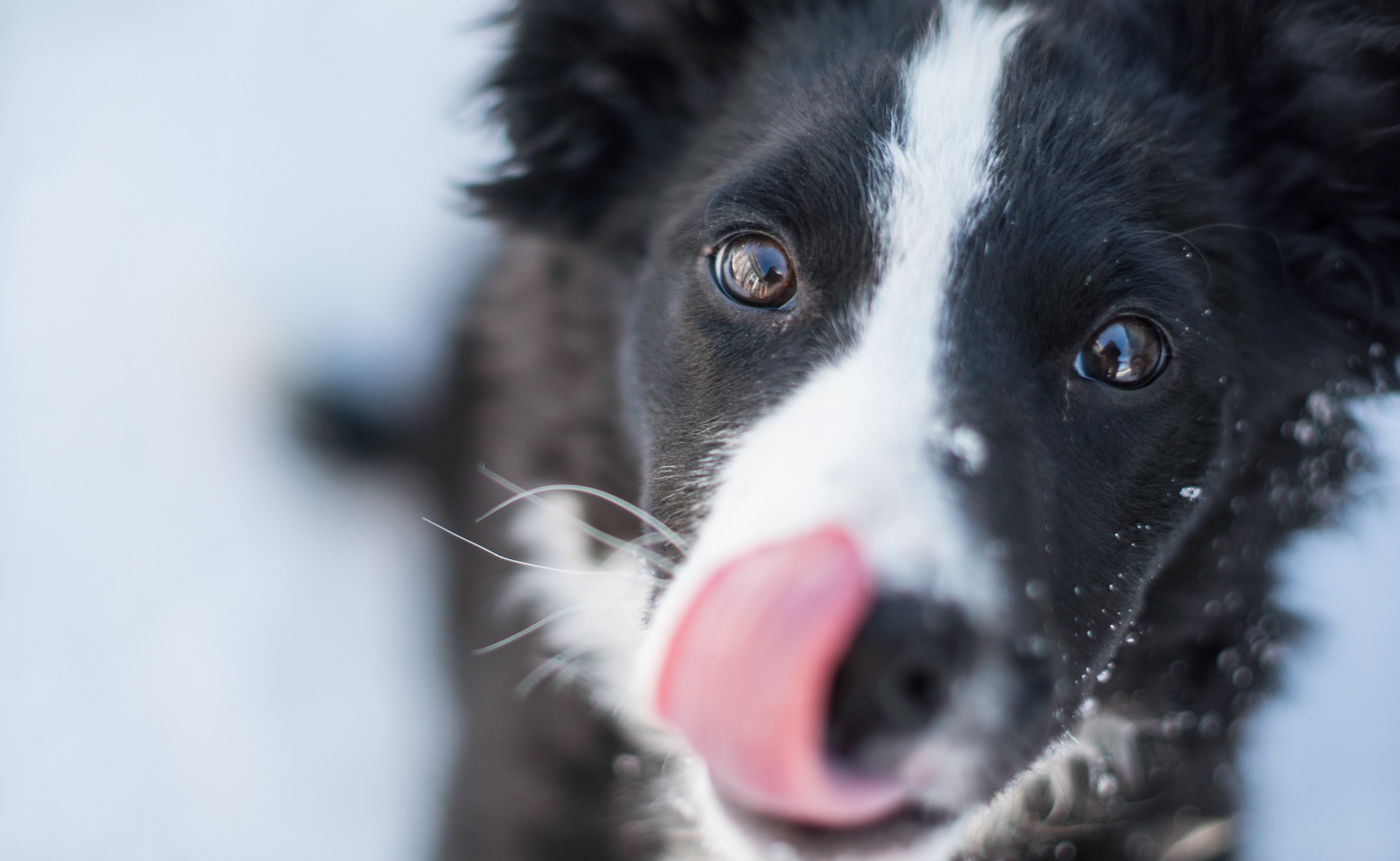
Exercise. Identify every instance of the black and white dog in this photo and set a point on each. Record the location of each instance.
(967, 361)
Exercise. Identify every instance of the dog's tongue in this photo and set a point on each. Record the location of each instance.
(747, 675)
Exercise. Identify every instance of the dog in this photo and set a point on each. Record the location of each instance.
(896, 406)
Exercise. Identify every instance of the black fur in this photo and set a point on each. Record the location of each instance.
(1229, 168)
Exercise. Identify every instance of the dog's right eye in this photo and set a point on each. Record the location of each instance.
(754, 270)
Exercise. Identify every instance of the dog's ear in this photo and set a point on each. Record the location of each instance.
(1317, 146)
(594, 93)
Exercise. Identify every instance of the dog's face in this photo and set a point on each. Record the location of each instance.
(927, 307)
(946, 333)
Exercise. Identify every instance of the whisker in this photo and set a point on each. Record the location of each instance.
(588, 605)
(549, 667)
(1168, 234)
(491, 552)
(1278, 246)
(636, 550)
(626, 694)
(667, 533)
(587, 528)
(646, 517)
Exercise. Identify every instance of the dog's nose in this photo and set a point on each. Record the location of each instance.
(746, 675)
(895, 677)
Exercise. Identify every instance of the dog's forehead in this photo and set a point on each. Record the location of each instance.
(830, 134)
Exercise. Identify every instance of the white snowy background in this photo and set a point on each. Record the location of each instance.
(212, 646)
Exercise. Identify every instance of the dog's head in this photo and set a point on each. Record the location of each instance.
(951, 323)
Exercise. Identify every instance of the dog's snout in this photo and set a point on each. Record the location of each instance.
(747, 673)
(895, 678)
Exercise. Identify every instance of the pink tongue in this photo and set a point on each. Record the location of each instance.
(748, 673)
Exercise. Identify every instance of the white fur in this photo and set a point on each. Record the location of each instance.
(600, 601)
(858, 443)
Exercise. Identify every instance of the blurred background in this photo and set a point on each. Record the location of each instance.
(214, 646)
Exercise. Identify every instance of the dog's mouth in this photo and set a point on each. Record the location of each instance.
(903, 829)
(801, 689)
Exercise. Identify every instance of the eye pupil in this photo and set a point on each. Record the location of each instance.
(1127, 353)
(754, 270)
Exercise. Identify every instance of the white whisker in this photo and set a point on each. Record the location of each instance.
(649, 519)
(489, 551)
(586, 527)
(549, 667)
(591, 605)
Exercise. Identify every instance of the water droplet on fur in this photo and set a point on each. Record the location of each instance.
(1037, 590)
(1191, 493)
(1243, 677)
(1104, 676)
(1322, 408)
(1106, 786)
(1242, 426)
(1378, 351)
(1079, 590)
(1036, 645)
(1213, 608)
(1228, 659)
(1065, 850)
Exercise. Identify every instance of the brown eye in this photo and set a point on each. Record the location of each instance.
(754, 270)
(1129, 352)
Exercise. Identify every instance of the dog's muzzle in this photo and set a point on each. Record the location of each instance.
(788, 663)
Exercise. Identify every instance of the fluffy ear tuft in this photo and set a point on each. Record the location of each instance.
(1320, 120)
(595, 93)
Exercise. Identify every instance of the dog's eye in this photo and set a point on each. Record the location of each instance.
(1129, 352)
(754, 270)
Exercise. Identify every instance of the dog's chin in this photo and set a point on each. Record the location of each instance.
(906, 833)
(933, 825)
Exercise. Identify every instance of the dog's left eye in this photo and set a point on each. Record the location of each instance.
(754, 270)
(1127, 353)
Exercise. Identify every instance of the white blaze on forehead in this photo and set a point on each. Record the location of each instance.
(858, 443)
